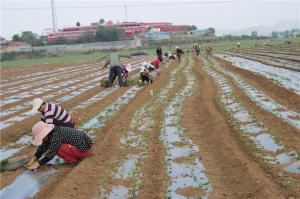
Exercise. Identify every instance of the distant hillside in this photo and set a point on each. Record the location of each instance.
(263, 30)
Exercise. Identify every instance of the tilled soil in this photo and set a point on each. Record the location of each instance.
(231, 166)
(104, 153)
(232, 171)
(280, 94)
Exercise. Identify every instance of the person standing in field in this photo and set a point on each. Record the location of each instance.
(197, 49)
(52, 113)
(159, 53)
(208, 49)
(238, 44)
(179, 52)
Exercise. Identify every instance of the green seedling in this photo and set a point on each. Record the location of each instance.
(141, 84)
(4, 162)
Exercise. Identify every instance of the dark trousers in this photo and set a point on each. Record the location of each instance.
(160, 58)
(146, 78)
(59, 123)
(179, 56)
(115, 71)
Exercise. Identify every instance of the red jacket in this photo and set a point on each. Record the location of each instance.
(155, 63)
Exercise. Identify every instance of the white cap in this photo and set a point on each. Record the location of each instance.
(128, 67)
(36, 103)
(177, 46)
(144, 63)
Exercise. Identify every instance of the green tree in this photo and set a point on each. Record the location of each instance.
(101, 21)
(77, 23)
(274, 34)
(28, 36)
(61, 40)
(286, 33)
(16, 37)
(193, 27)
(87, 36)
(210, 32)
(108, 34)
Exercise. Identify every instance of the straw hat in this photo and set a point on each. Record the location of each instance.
(40, 130)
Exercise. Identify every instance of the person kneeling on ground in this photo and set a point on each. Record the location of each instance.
(69, 144)
(145, 75)
(152, 69)
(52, 113)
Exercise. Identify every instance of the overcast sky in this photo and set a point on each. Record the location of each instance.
(17, 16)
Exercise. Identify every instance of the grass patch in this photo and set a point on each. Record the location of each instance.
(54, 60)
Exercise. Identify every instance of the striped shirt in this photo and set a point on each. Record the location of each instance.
(55, 112)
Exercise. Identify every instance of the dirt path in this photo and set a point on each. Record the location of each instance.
(233, 173)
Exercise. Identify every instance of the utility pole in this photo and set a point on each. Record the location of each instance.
(125, 8)
(54, 24)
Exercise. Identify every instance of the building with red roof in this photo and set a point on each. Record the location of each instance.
(130, 29)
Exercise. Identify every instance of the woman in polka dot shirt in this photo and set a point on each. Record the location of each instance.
(68, 143)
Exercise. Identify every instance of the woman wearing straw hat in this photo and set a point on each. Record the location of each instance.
(68, 143)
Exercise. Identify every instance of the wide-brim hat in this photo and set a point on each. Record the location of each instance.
(36, 103)
(40, 130)
(128, 67)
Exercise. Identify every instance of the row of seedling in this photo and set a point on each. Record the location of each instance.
(275, 62)
(270, 149)
(184, 167)
(287, 78)
(133, 149)
(41, 80)
(13, 148)
(262, 100)
(76, 91)
(35, 180)
(72, 84)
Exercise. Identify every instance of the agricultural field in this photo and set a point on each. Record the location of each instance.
(225, 126)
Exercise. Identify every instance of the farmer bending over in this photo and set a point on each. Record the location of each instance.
(125, 70)
(69, 144)
(145, 74)
(114, 67)
(52, 113)
(155, 63)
